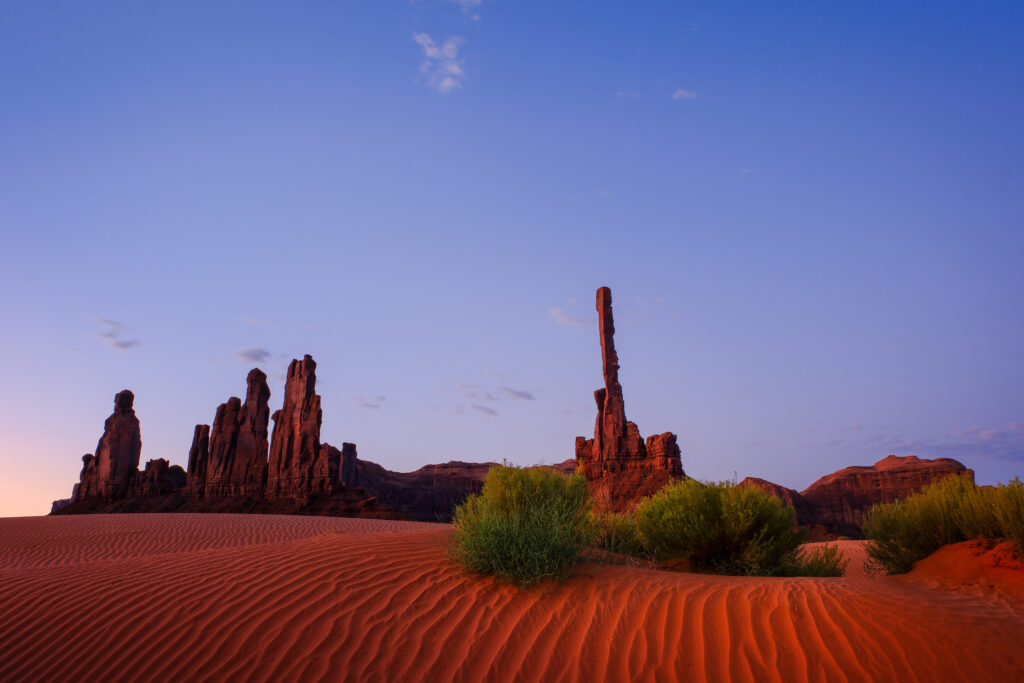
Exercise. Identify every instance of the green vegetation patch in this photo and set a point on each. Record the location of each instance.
(526, 525)
(730, 529)
(948, 511)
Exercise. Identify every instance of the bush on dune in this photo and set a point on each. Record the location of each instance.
(730, 530)
(948, 511)
(526, 525)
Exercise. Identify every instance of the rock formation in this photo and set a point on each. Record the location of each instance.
(237, 463)
(112, 471)
(198, 461)
(233, 468)
(839, 501)
(300, 466)
(617, 458)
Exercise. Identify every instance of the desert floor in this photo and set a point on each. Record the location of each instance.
(179, 597)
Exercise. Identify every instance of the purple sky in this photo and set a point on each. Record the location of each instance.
(810, 220)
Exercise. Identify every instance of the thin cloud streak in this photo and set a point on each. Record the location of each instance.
(563, 318)
(252, 354)
(516, 394)
(483, 409)
(112, 335)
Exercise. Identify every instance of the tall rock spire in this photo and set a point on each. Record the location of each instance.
(617, 445)
(299, 467)
(237, 464)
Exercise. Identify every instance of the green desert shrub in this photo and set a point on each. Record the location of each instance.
(723, 528)
(1009, 506)
(526, 525)
(616, 532)
(822, 560)
(947, 511)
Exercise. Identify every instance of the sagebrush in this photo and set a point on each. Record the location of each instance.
(729, 529)
(951, 510)
(526, 525)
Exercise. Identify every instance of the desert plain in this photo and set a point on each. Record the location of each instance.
(203, 597)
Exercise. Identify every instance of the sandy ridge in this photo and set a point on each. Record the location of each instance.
(306, 599)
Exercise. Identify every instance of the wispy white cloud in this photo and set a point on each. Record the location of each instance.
(468, 7)
(563, 318)
(627, 94)
(252, 354)
(442, 67)
(113, 335)
(683, 94)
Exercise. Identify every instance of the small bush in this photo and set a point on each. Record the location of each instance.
(1009, 510)
(948, 511)
(824, 560)
(721, 527)
(617, 533)
(526, 525)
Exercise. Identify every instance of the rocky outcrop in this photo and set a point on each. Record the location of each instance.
(159, 478)
(111, 472)
(233, 468)
(617, 460)
(298, 464)
(198, 461)
(237, 463)
(840, 501)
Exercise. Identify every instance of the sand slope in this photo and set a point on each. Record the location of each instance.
(225, 597)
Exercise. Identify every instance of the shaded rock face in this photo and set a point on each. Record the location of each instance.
(111, 472)
(840, 501)
(232, 468)
(617, 458)
(299, 464)
(198, 461)
(237, 461)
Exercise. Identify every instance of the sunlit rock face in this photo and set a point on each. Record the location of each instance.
(617, 459)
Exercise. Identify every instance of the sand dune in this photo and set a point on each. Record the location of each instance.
(225, 597)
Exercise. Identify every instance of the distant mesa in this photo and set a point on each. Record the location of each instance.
(617, 461)
(839, 501)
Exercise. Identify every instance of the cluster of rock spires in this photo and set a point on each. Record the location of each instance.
(617, 461)
(234, 467)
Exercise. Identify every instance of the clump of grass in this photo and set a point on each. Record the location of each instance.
(823, 560)
(617, 533)
(728, 529)
(1009, 507)
(948, 511)
(526, 525)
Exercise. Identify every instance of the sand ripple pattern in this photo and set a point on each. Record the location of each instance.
(230, 598)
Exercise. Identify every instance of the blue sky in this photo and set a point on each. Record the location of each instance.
(809, 216)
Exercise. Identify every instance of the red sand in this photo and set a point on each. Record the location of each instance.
(232, 597)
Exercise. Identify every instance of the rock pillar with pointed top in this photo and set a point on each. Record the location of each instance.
(617, 446)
